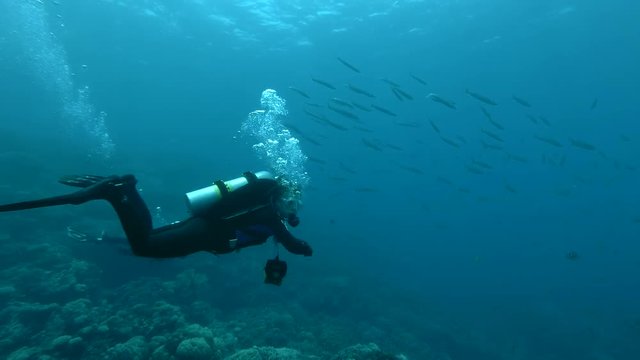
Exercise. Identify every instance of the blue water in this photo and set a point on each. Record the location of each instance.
(418, 244)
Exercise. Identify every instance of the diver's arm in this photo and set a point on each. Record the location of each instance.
(290, 242)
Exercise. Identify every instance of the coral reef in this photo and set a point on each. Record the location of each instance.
(54, 306)
(365, 352)
(268, 353)
(194, 349)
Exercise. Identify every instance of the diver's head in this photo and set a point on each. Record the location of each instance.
(287, 209)
(293, 220)
(287, 202)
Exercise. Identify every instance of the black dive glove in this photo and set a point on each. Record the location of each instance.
(301, 247)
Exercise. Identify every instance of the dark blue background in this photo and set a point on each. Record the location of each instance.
(177, 85)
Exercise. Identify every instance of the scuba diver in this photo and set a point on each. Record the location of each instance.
(226, 216)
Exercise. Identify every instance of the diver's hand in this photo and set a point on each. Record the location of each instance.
(303, 248)
(297, 246)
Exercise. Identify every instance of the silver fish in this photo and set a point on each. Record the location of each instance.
(480, 97)
(403, 93)
(450, 142)
(341, 102)
(418, 79)
(353, 68)
(360, 91)
(343, 112)
(582, 145)
(360, 107)
(383, 110)
(550, 141)
(521, 101)
(492, 135)
(439, 99)
(434, 127)
(323, 83)
(299, 92)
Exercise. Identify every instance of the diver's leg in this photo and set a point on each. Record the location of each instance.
(133, 214)
(121, 193)
(175, 240)
(178, 239)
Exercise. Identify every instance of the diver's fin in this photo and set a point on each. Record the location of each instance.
(82, 181)
(33, 204)
(75, 198)
(94, 188)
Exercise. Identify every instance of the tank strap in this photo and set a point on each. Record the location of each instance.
(251, 177)
(224, 191)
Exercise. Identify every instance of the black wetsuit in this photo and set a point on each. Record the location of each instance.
(213, 232)
(200, 233)
(242, 218)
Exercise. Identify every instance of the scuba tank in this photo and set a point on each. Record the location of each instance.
(232, 197)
